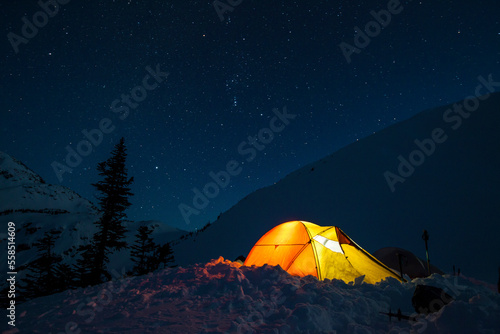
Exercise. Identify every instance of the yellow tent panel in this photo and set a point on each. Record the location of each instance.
(303, 248)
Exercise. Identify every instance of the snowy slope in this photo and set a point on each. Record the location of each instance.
(36, 207)
(14, 173)
(21, 188)
(454, 194)
(222, 297)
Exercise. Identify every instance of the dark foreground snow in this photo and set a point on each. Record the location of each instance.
(222, 297)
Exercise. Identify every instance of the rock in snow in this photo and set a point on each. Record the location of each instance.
(225, 297)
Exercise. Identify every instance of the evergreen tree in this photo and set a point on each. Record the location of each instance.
(114, 191)
(65, 276)
(165, 255)
(84, 263)
(142, 251)
(41, 280)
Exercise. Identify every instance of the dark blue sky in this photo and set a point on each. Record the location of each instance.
(225, 78)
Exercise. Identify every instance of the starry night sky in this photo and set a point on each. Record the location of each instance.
(225, 79)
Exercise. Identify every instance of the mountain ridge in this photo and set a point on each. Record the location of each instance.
(349, 189)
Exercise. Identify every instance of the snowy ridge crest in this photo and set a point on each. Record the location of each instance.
(21, 189)
(14, 173)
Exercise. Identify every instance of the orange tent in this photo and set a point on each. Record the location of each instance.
(303, 248)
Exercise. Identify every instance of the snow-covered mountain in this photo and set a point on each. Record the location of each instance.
(37, 207)
(453, 191)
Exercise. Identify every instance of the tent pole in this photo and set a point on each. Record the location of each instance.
(400, 265)
(425, 236)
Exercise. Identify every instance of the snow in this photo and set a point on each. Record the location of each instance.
(21, 188)
(224, 297)
(14, 173)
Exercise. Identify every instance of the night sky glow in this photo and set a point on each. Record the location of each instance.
(197, 89)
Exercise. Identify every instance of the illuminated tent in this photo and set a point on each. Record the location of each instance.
(303, 248)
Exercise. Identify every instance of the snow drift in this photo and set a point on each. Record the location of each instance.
(224, 297)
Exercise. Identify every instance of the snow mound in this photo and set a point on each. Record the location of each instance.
(224, 297)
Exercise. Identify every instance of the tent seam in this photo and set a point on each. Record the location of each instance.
(371, 257)
(315, 254)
